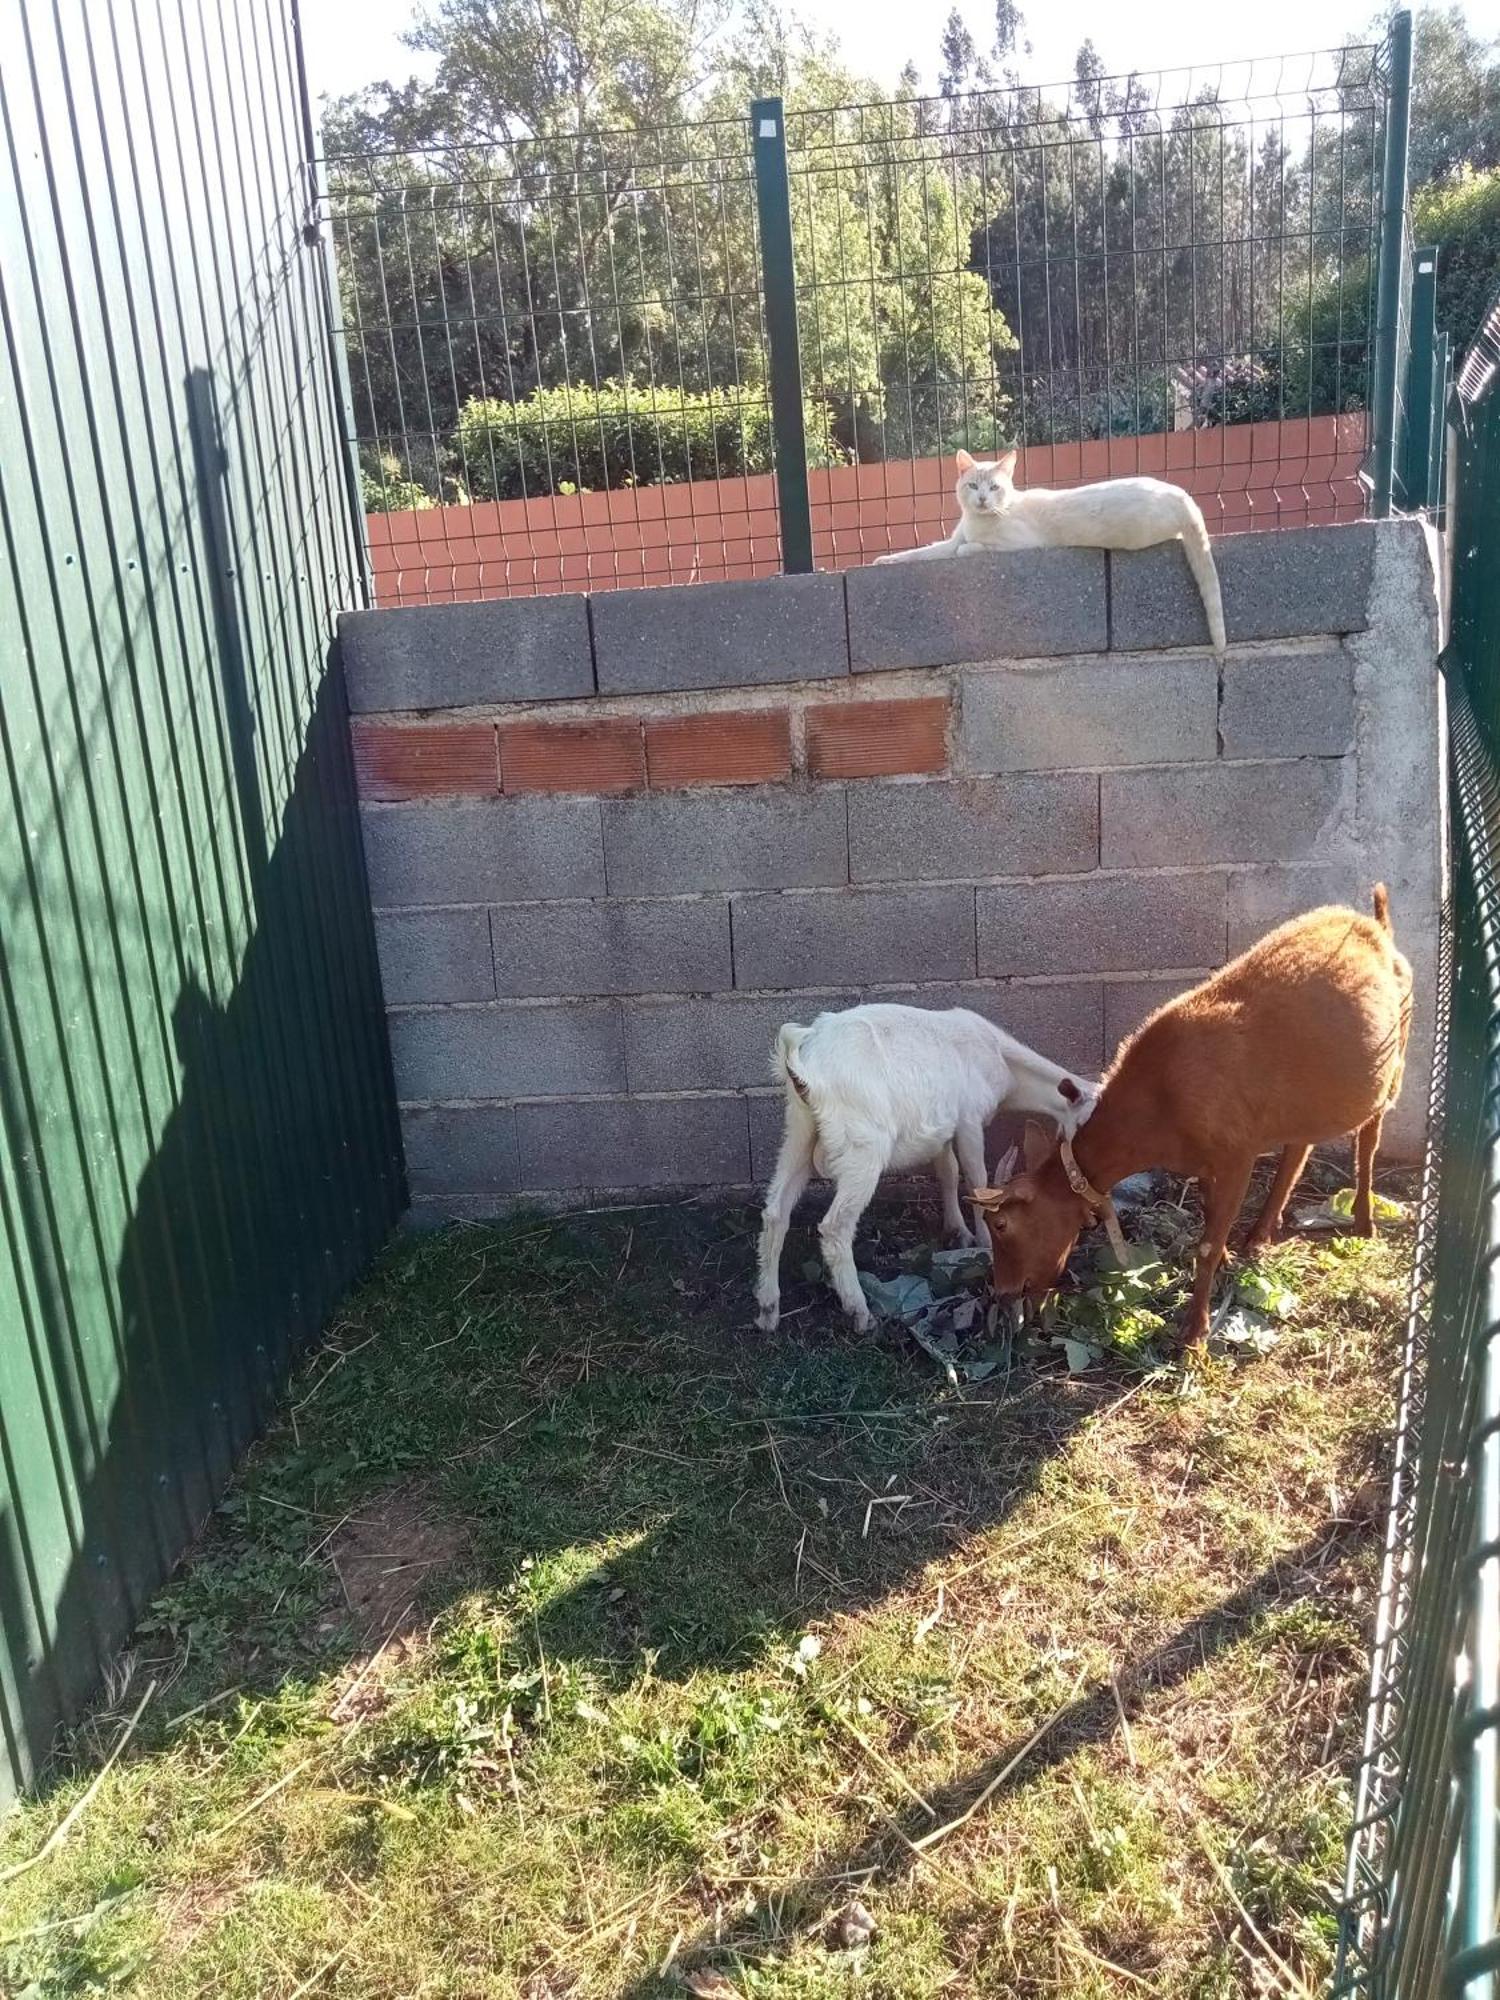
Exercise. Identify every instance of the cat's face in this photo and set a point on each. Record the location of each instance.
(985, 488)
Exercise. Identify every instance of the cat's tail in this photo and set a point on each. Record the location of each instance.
(1200, 557)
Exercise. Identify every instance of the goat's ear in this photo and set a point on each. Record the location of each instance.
(990, 1200)
(1006, 463)
(1008, 1165)
(965, 461)
(1038, 1143)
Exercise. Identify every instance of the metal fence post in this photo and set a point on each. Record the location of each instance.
(342, 412)
(779, 286)
(1437, 494)
(1414, 426)
(1392, 253)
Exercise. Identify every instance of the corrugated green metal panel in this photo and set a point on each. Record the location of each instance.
(198, 1145)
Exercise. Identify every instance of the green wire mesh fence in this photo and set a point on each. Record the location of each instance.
(1419, 1914)
(559, 354)
(1125, 278)
(540, 322)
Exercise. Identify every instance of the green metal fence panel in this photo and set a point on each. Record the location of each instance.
(1420, 1914)
(1415, 469)
(198, 1147)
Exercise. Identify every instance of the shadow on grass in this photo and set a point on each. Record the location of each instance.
(635, 1475)
(1092, 1717)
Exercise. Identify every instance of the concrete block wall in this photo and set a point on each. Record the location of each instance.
(614, 843)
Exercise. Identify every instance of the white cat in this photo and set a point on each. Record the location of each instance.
(1113, 514)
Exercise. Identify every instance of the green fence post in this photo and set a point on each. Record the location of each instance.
(779, 286)
(1414, 426)
(1436, 425)
(330, 309)
(1438, 499)
(1392, 252)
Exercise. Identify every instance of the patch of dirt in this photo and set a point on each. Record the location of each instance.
(387, 1553)
(200, 1906)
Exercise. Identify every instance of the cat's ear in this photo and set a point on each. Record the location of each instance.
(965, 462)
(1006, 463)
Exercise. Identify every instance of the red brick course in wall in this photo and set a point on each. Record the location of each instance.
(601, 757)
(395, 760)
(738, 747)
(877, 739)
(608, 755)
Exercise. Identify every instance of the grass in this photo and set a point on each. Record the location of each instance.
(569, 1638)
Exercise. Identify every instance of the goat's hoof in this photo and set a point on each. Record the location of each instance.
(861, 1322)
(766, 1319)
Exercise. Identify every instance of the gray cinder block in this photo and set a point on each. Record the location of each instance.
(477, 1052)
(462, 1150)
(775, 838)
(483, 852)
(434, 955)
(1288, 704)
(578, 948)
(863, 936)
(1021, 605)
(635, 1142)
(1274, 586)
(719, 1043)
(1035, 823)
(1103, 923)
(460, 655)
(1262, 898)
(1223, 812)
(1081, 714)
(709, 635)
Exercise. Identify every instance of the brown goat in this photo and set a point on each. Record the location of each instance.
(1298, 1041)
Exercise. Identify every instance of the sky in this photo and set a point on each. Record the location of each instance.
(354, 42)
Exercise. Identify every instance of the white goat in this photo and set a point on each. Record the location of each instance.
(883, 1086)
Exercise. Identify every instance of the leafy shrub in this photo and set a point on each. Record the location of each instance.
(621, 434)
(1462, 217)
(385, 485)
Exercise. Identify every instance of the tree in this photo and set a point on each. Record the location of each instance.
(1010, 36)
(960, 65)
(510, 69)
(1453, 161)
(554, 280)
(1455, 112)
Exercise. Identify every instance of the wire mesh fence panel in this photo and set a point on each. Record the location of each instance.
(1420, 1908)
(557, 360)
(1168, 274)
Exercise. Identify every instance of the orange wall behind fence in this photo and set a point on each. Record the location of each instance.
(1298, 473)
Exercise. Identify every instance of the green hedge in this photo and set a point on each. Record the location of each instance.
(622, 434)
